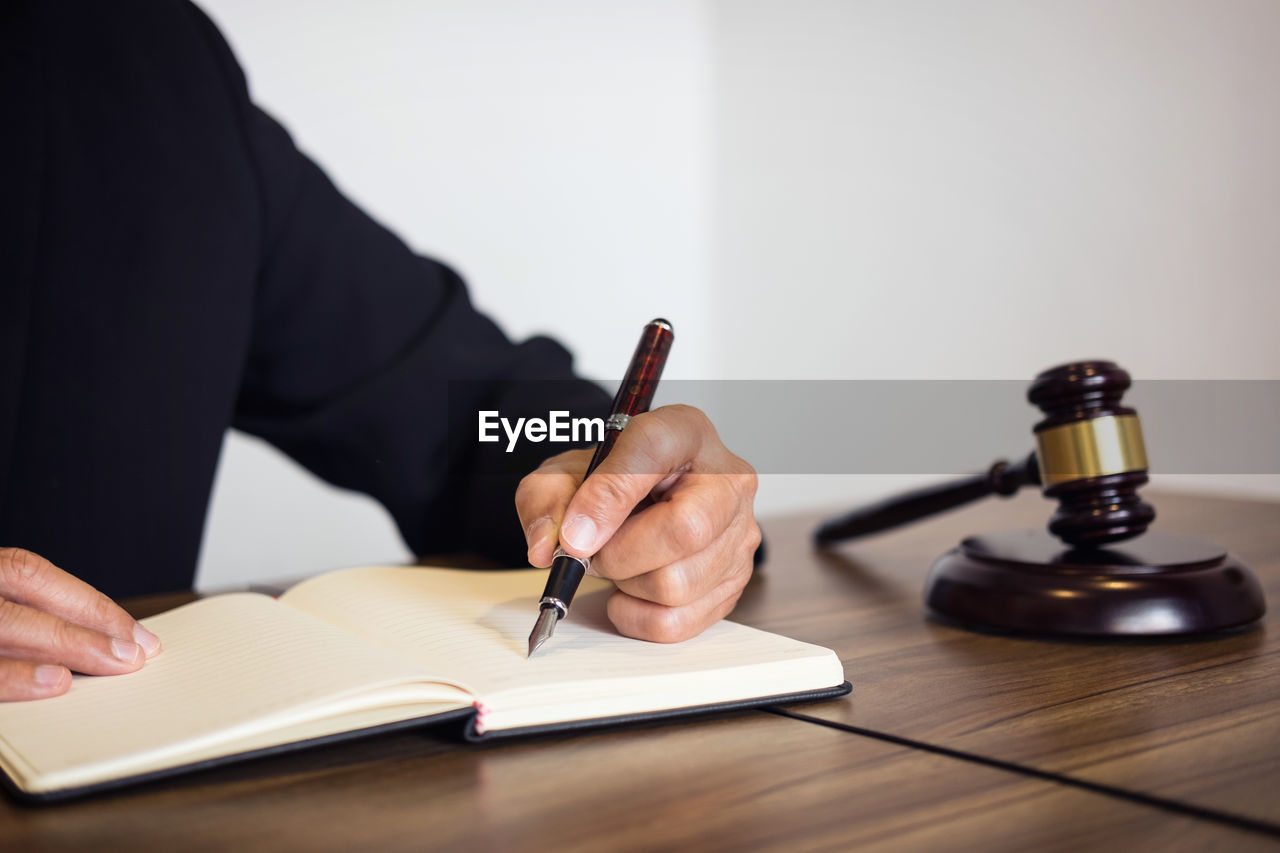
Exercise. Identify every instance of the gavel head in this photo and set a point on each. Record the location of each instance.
(1090, 453)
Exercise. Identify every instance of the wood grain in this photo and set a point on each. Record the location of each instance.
(746, 782)
(1195, 720)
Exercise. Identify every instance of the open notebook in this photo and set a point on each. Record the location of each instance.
(362, 649)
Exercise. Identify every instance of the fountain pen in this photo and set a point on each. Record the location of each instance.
(633, 398)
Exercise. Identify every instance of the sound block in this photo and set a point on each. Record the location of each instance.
(1155, 584)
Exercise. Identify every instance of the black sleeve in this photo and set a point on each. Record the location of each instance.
(368, 363)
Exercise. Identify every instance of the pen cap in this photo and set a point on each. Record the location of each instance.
(635, 394)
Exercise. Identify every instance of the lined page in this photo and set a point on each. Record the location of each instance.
(231, 665)
(474, 626)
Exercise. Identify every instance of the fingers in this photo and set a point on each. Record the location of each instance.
(32, 580)
(684, 581)
(541, 499)
(32, 635)
(52, 623)
(694, 514)
(654, 446)
(672, 586)
(20, 680)
(658, 623)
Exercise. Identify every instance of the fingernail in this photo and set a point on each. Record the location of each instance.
(47, 675)
(580, 534)
(150, 642)
(125, 650)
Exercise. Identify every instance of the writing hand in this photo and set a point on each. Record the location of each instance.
(52, 623)
(681, 562)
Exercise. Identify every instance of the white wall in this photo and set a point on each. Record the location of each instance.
(885, 189)
(985, 189)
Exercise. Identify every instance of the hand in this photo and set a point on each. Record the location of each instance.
(680, 562)
(52, 623)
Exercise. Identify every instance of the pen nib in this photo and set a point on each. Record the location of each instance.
(543, 629)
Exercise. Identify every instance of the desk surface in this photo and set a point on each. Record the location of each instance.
(1185, 721)
(753, 781)
(1194, 721)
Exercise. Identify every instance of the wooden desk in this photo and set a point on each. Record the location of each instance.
(1190, 721)
(762, 781)
(754, 781)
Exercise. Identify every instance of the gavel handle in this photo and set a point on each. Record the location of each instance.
(1002, 478)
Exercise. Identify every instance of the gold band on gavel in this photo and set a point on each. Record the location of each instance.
(1093, 448)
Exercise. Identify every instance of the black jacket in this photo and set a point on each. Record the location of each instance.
(171, 265)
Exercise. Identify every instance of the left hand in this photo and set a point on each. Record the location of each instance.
(681, 562)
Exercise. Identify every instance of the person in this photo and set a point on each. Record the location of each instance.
(173, 266)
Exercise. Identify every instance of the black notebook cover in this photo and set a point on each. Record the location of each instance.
(670, 713)
(465, 716)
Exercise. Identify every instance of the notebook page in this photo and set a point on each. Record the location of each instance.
(474, 626)
(231, 665)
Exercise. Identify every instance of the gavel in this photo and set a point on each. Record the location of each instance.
(1090, 456)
